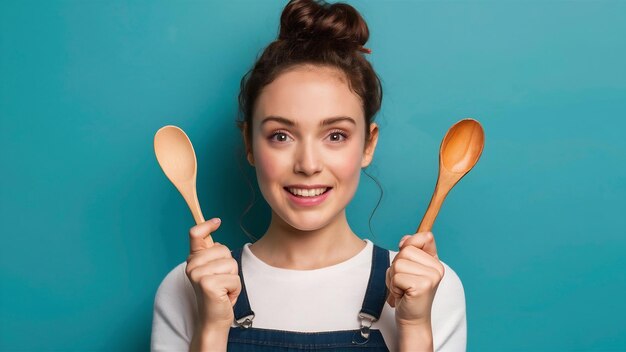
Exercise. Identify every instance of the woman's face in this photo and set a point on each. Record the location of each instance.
(309, 129)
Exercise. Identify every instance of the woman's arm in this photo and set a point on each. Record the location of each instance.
(415, 337)
(209, 339)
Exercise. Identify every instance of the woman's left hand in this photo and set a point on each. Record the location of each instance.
(413, 278)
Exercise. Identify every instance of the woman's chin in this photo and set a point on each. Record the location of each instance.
(306, 224)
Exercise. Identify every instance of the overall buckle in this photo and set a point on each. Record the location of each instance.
(245, 322)
(366, 323)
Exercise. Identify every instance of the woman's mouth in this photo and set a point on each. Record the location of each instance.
(307, 197)
(306, 192)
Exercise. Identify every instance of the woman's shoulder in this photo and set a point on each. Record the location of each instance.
(174, 282)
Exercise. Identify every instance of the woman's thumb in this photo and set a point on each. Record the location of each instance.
(198, 234)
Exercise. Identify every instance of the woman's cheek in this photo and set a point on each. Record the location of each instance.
(347, 167)
(268, 169)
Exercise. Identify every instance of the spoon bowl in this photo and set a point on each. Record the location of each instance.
(460, 150)
(462, 146)
(177, 158)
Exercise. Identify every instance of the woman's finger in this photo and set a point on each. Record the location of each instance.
(221, 285)
(198, 234)
(218, 266)
(217, 251)
(417, 255)
(394, 293)
(405, 266)
(413, 285)
(422, 240)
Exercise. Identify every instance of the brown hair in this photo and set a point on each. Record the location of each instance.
(316, 33)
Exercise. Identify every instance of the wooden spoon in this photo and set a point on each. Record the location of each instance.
(459, 152)
(177, 158)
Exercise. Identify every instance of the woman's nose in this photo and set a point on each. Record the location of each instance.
(307, 160)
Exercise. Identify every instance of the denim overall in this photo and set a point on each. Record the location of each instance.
(244, 337)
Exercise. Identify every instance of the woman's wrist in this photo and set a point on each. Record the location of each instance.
(416, 336)
(210, 338)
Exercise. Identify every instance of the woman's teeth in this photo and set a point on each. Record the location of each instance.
(307, 192)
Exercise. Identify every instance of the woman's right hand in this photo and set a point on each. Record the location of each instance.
(214, 275)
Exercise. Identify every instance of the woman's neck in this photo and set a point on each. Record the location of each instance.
(285, 247)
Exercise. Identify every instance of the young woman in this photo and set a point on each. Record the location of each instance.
(310, 282)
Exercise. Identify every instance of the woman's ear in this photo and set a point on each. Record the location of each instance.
(368, 153)
(249, 154)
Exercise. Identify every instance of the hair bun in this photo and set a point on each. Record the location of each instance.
(308, 19)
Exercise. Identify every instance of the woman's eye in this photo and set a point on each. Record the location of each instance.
(338, 135)
(282, 137)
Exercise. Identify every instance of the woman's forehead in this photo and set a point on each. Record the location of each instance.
(309, 95)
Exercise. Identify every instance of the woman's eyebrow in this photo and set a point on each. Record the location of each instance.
(326, 122)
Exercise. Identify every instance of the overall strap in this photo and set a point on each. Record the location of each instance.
(376, 293)
(243, 312)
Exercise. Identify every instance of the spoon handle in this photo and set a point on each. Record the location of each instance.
(194, 206)
(443, 186)
(431, 213)
(188, 191)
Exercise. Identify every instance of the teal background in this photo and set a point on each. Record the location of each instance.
(91, 225)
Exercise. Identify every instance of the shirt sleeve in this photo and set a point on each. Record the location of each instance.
(448, 314)
(174, 312)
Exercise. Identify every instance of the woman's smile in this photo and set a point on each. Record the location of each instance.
(307, 198)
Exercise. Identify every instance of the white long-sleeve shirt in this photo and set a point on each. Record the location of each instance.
(325, 299)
